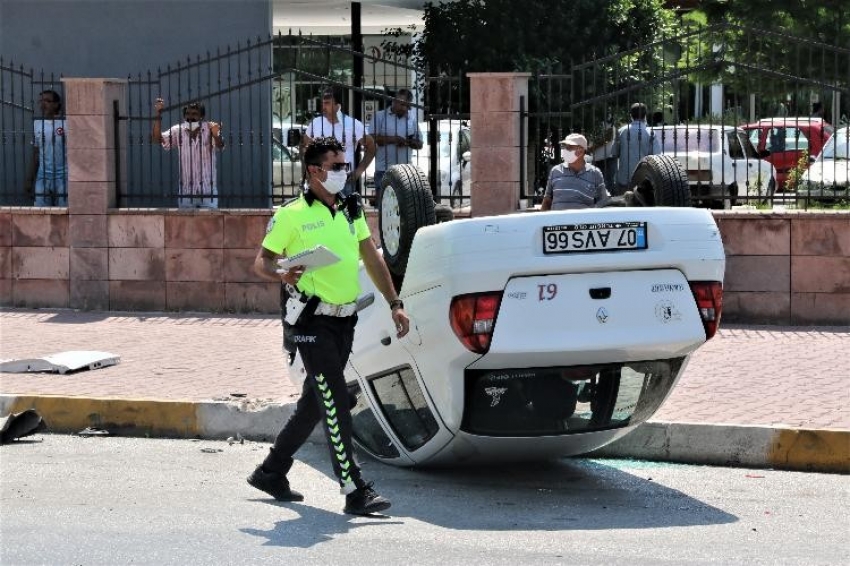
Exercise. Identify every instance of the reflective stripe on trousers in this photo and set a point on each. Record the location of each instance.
(324, 344)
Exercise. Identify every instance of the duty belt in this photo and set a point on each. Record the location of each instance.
(323, 308)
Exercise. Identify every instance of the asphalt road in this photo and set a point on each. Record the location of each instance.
(102, 500)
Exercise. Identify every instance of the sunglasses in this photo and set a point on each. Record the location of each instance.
(339, 167)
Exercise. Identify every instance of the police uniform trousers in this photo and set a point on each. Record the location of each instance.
(324, 343)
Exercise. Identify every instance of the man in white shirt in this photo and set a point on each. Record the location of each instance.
(198, 143)
(396, 131)
(348, 131)
(47, 176)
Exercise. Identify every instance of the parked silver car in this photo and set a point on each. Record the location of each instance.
(720, 161)
(286, 169)
(828, 177)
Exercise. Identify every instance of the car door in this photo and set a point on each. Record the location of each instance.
(761, 171)
(744, 169)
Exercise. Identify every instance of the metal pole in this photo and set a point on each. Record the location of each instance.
(357, 67)
(116, 116)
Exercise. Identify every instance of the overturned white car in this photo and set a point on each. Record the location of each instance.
(533, 335)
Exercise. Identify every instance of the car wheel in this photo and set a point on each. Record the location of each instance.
(771, 191)
(443, 213)
(406, 206)
(727, 201)
(659, 180)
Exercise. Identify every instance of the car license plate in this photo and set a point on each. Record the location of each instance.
(598, 237)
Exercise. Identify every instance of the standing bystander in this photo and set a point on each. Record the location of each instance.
(198, 142)
(47, 177)
(348, 131)
(396, 131)
(574, 183)
(633, 143)
(323, 331)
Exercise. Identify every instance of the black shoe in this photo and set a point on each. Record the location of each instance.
(274, 484)
(364, 501)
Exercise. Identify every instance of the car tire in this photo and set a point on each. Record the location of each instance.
(406, 205)
(771, 192)
(443, 213)
(659, 180)
(727, 201)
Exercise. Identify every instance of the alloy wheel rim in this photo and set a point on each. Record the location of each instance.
(390, 221)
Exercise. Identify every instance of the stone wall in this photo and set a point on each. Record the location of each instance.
(782, 268)
(786, 268)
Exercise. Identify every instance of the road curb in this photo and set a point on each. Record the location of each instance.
(780, 448)
(252, 419)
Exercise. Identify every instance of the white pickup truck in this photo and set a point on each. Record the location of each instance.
(534, 335)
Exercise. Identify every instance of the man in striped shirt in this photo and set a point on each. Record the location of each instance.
(574, 183)
(198, 142)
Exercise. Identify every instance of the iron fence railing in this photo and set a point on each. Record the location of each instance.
(753, 109)
(264, 94)
(744, 123)
(32, 144)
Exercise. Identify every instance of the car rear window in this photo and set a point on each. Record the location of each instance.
(565, 400)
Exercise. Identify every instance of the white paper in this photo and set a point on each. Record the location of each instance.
(320, 256)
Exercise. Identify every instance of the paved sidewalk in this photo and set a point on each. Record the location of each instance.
(747, 377)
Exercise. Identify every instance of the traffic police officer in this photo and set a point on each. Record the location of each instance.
(324, 331)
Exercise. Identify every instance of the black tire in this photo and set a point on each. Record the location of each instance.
(726, 201)
(660, 180)
(443, 213)
(406, 205)
(771, 192)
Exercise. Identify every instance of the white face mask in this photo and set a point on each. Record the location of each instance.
(335, 181)
(192, 125)
(569, 156)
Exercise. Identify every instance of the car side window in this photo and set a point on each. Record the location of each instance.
(796, 140)
(776, 140)
(749, 149)
(754, 136)
(735, 149)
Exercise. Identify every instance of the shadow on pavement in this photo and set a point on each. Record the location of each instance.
(563, 495)
(569, 494)
(314, 526)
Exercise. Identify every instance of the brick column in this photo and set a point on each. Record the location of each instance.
(496, 122)
(91, 184)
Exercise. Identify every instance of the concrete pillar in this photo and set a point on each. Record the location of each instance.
(495, 145)
(92, 187)
(717, 99)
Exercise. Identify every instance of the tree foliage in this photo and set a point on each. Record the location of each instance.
(780, 48)
(823, 21)
(507, 35)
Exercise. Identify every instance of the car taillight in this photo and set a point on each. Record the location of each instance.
(709, 298)
(473, 318)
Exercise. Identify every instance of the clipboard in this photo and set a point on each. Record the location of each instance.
(314, 258)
